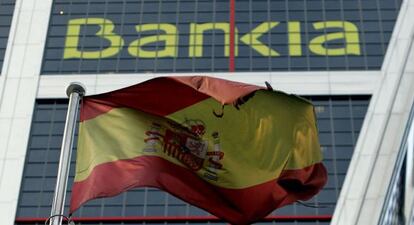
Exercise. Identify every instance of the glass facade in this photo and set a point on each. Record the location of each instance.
(339, 121)
(6, 14)
(136, 36)
(394, 211)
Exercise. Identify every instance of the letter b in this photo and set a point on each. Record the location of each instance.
(106, 32)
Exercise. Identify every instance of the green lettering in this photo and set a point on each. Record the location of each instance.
(350, 34)
(295, 41)
(105, 32)
(196, 38)
(252, 37)
(169, 38)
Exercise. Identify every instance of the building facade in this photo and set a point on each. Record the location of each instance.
(354, 59)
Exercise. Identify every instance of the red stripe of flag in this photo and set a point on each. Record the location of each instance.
(159, 96)
(112, 178)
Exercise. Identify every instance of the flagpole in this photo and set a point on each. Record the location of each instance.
(75, 91)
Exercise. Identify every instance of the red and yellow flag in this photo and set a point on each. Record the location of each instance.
(236, 150)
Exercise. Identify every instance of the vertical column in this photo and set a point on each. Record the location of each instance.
(376, 154)
(18, 89)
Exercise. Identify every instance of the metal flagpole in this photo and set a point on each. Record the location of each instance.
(75, 91)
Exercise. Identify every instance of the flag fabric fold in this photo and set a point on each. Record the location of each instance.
(184, 135)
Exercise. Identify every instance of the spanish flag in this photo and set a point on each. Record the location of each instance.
(238, 151)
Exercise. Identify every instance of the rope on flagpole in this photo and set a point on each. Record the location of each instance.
(67, 218)
(316, 206)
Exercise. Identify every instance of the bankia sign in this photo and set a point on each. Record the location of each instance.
(132, 36)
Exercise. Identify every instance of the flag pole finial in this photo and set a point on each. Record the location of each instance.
(76, 87)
